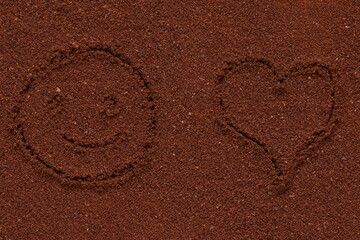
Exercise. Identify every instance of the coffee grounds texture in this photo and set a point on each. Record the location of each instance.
(179, 120)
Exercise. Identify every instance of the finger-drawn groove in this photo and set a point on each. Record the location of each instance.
(119, 171)
(84, 144)
(323, 131)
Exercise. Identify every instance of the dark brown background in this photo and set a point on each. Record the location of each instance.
(202, 184)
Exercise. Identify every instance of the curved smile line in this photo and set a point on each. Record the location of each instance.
(86, 144)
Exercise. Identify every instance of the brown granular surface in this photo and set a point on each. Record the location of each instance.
(83, 112)
(179, 120)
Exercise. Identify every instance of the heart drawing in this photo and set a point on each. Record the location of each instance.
(286, 115)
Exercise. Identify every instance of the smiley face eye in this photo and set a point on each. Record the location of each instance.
(54, 101)
(110, 107)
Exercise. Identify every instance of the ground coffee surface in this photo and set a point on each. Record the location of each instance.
(179, 120)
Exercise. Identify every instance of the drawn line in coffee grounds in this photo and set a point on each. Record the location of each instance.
(300, 154)
(277, 169)
(121, 170)
(83, 144)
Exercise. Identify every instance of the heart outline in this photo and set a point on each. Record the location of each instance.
(283, 179)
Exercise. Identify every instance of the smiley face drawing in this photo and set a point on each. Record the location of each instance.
(87, 116)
